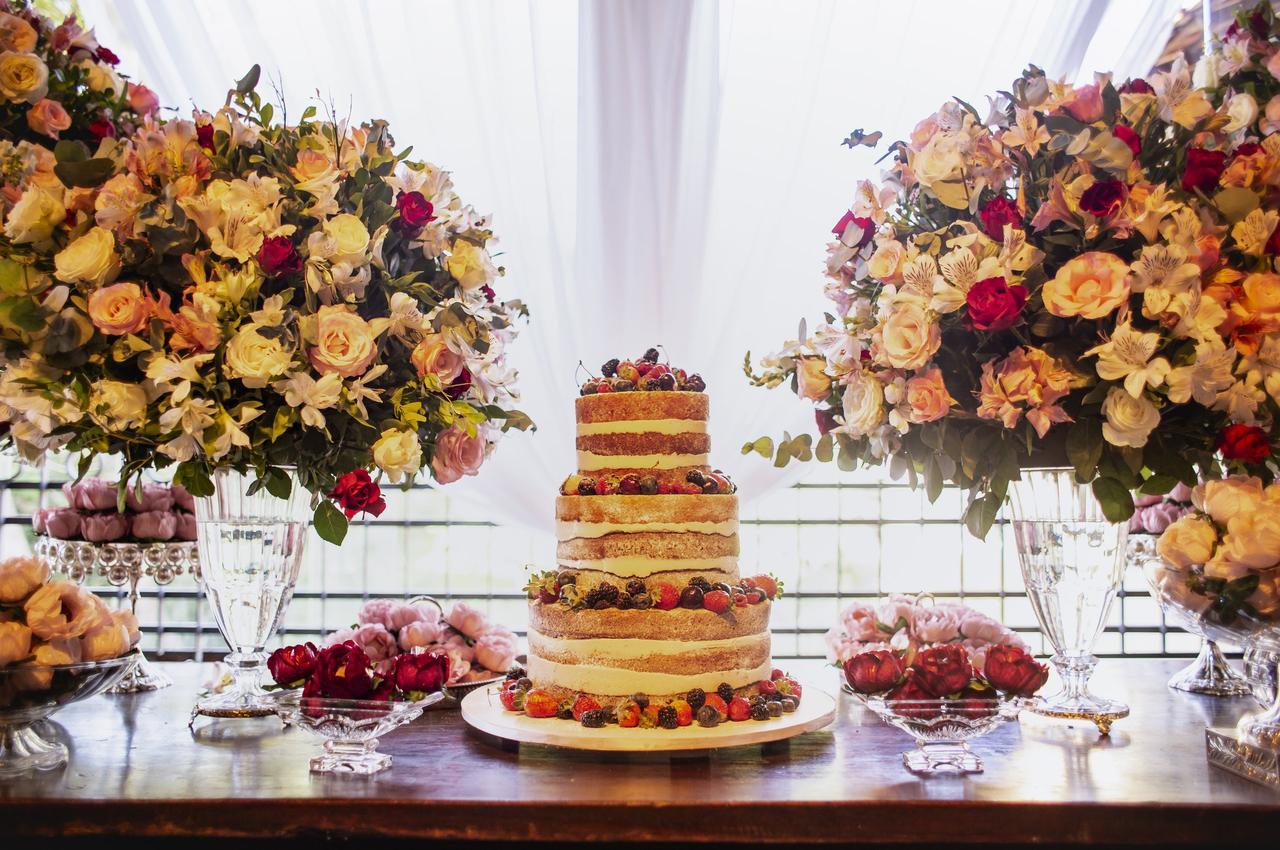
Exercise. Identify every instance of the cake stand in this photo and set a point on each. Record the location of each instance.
(483, 710)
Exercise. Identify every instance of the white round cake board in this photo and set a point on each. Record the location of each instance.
(482, 709)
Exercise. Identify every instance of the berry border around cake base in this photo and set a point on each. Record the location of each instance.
(483, 710)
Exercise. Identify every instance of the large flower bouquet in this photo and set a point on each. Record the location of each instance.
(238, 292)
(1081, 277)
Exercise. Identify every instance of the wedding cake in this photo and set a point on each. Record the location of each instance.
(647, 599)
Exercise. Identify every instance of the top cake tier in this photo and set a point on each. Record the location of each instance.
(642, 432)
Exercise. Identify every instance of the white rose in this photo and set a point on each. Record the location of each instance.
(863, 403)
(118, 405)
(1224, 498)
(470, 265)
(256, 359)
(23, 77)
(350, 239)
(939, 167)
(1253, 539)
(90, 259)
(398, 454)
(15, 642)
(908, 338)
(1129, 420)
(34, 216)
(101, 77)
(1187, 541)
(1242, 109)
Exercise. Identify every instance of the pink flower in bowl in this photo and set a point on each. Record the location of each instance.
(496, 650)
(90, 494)
(938, 624)
(420, 634)
(154, 525)
(468, 620)
(155, 497)
(60, 523)
(104, 528)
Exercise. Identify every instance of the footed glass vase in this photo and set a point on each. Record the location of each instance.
(1073, 563)
(250, 553)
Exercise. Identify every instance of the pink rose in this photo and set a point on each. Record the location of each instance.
(467, 620)
(48, 118)
(155, 497)
(428, 612)
(340, 636)
(185, 526)
(104, 528)
(1084, 103)
(60, 523)
(840, 647)
(1156, 518)
(1180, 493)
(182, 498)
(119, 309)
(894, 609)
(496, 650)
(1091, 285)
(459, 644)
(388, 613)
(432, 357)
(935, 625)
(154, 525)
(420, 634)
(142, 100)
(457, 454)
(90, 494)
(927, 397)
(459, 662)
(377, 643)
(978, 627)
(859, 622)
(61, 609)
(1147, 501)
(21, 576)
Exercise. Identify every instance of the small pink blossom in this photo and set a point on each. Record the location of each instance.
(859, 622)
(468, 620)
(377, 643)
(388, 613)
(935, 625)
(420, 634)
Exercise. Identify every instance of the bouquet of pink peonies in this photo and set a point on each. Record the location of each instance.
(907, 624)
(476, 648)
(154, 513)
(47, 623)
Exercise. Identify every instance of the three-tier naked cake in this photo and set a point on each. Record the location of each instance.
(647, 600)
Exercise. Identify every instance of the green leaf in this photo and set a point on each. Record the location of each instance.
(981, 514)
(84, 175)
(824, 450)
(762, 447)
(1236, 202)
(68, 150)
(973, 450)
(1084, 447)
(22, 313)
(194, 478)
(1158, 485)
(279, 484)
(1115, 498)
(933, 479)
(249, 81)
(330, 522)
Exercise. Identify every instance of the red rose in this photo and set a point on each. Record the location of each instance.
(1138, 86)
(1012, 670)
(1130, 138)
(289, 665)
(1273, 243)
(277, 256)
(489, 294)
(1247, 149)
(415, 211)
(204, 136)
(105, 55)
(357, 493)
(858, 239)
(998, 212)
(874, 671)
(994, 305)
(976, 702)
(942, 670)
(911, 692)
(1245, 443)
(1203, 169)
(311, 692)
(102, 129)
(342, 672)
(460, 385)
(1103, 198)
(826, 420)
(425, 672)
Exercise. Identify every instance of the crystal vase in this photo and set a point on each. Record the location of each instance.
(1073, 562)
(250, 553)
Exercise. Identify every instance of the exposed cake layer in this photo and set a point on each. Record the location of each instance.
(601, 516)
(642, 433)
(639, 407)
(681, 624)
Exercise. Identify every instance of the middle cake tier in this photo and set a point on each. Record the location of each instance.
(671, 538)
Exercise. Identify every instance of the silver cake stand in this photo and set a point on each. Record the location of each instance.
(121, 564)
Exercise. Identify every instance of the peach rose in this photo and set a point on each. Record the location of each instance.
(16, 34)
(55, 653)
(21, 576)
(1189, 540)
(1225, 498)
(909, 337)
(108, 639)
(811, 378)
(62, 609)
(345, 343)
(432, 357)
(458, 454)
(1084, 103)
(927, 397)
(142, 100)
(1090, 285)
(48, 118)
(886, 263)
(119, 309)
(15, 642)
(1262, 297)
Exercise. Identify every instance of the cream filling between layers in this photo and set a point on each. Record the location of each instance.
(615, 681)
(643, 426)
(634, 566)
(590, 461)
(627, 649)
(574, 529)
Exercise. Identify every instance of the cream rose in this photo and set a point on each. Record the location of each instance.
(812, 381)
(15, 642)
(886, 263)
(350, 238)
(101, 78)
(118, 405)
(62, 609)
(432, 357)
(1253, 539)
(90, 259)
(1091, 285)
(1242, 109)
(927, 397)
(863, 403)
(16, 34)
(457, 454)
(1188, 541)
(256, 359)
(20, 576)
(55, 653)
(470, 265)
(909, 337)
(23, 77)
(108, 639)
(119, 309)
(48, 118)
(35, 215)
(1130, 420)
(939, 167)
(345, 343)
(1225, 498)
(398, 454)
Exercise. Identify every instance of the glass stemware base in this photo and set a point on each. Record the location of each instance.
(1075, 701)
(1210, 674)
(356, 757)
(942, 758)
(245, 697)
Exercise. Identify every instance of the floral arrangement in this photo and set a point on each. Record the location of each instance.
(344, 671)
(233, 291)
(1083, 276)
(1153, 514)
(47, 623)
(944, 672)
(153, 513)
(476, 648)
(908, 624)
(1222, 560)
(58, 84)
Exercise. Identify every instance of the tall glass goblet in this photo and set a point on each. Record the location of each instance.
(1072, 565)
(250, 553)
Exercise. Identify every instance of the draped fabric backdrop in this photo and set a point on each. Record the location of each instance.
(660, 171)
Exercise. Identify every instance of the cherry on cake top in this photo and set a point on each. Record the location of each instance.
(644, 374)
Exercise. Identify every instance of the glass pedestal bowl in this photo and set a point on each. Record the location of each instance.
(30, 694)
(350, 728)
(942, 729)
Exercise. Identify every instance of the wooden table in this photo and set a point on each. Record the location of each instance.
(136, 769)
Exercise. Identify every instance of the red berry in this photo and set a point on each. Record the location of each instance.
(546, 597)
(666, 487)
(649, 717)
(717, 702)
(629, 485)
(539, 703)
(740, 599)
(604, 387)
(666, 597)
(756, 596)
(512, 699)
(768, 688)
(628, 715)
(748, 582)
(766, 583)
(716, 601)
(776, 674)
(789, 686)
(739, 709)
(723, 485)
(607, 486)
(688, 488)
(684, 712)
(643, 367)
(583, 704)
(657, 370)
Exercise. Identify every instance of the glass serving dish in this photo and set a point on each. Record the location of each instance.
(31, 693)
(350, 727)
(942, 729)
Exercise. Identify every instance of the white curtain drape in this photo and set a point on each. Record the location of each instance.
(660, 171)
